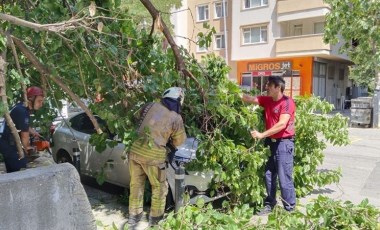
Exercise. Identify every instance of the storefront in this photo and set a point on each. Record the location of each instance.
(297, 73)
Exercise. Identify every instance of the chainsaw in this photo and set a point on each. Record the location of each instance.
(41, 144)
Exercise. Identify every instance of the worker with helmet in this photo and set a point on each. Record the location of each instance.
(159, 123)
(20, 115)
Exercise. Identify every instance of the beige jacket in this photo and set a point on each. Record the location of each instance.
(156, 128)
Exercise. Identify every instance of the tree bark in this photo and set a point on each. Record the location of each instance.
(23, 86)
(57, 27)
(45, 72)
(180, 64)
(3, 96)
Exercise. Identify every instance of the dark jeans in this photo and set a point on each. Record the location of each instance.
(12, 163)
(280, 164)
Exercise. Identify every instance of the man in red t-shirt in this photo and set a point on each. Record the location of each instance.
(279, 136)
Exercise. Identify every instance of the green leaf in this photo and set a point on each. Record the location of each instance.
(200, 202)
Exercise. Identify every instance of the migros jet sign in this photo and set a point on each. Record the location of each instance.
(265, 66)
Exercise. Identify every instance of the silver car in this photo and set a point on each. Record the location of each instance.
(75, 132)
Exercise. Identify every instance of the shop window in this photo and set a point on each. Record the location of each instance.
(220, 9)
(319, 79)
(246, 80)
(257, 81)
(331, 72)
(202, 13)
(341, 74)
(220, 42)
(256, 34)
(254, 3)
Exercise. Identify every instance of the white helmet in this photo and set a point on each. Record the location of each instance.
(175, 93)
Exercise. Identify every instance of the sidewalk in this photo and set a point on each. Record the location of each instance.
(360, 164)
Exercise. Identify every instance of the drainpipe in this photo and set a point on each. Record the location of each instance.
(225, 31)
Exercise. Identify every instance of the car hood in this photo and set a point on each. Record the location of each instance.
(187, 151)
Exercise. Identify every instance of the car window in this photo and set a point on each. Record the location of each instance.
(82, 123)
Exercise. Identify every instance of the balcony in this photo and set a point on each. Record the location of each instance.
(288, 10)
(302, 45)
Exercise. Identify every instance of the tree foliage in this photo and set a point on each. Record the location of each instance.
(321, 213)
(358, 23)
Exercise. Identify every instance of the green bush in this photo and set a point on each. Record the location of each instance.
(322, 213)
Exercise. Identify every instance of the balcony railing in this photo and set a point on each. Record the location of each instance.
(290, 6)
(305, 44)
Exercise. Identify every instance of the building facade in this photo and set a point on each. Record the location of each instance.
(259, 38)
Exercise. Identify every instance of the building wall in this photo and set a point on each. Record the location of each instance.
(320, 66)
(221, 26)
(242, 18)
(178, 19)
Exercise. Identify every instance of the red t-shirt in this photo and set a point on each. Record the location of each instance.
(273, 110)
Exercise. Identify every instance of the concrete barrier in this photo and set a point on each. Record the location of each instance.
(44, 198)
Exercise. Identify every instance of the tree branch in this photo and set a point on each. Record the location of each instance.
(23, 86)
(180, 64)
(45, 72)
(57, 27)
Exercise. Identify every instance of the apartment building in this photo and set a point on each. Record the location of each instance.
(271, 37)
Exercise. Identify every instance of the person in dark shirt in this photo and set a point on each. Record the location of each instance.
(279, 113)
(20, 116)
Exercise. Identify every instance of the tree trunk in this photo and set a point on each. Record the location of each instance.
(7, 116)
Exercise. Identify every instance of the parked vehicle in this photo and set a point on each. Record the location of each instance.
(75, 132)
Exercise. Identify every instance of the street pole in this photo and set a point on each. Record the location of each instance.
(179, 186)
(376, 103)
(76, 159)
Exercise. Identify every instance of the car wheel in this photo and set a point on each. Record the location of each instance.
(63, 157)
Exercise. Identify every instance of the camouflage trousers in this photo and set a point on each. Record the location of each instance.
(157, 178)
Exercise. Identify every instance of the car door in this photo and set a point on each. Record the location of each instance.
(82, 128)
(112, 162)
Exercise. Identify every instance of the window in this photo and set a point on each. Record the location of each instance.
(319, 79)
(254, 3)
(297, 30)
(220, 9)
(255, 35)
(202, 13)
(220, 42)
(82, 123)
(319, 27)
(331, 72)
(201, 48)
(341, 74)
